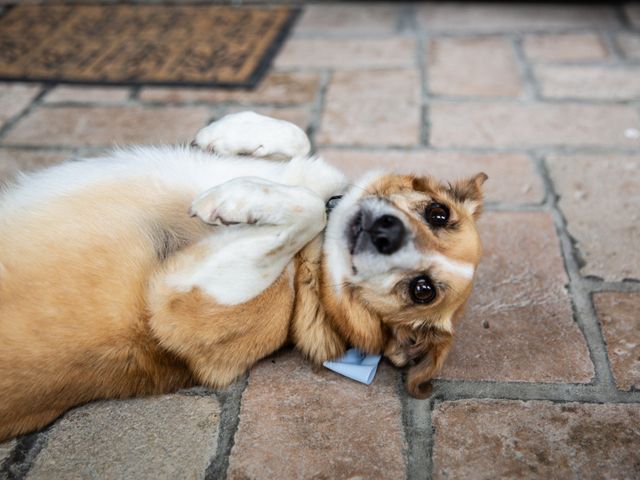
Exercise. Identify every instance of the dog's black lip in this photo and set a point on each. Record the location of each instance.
(354, 230)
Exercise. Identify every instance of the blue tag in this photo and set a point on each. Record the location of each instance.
(355, 365)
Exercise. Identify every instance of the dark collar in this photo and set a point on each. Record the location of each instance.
(332, 202)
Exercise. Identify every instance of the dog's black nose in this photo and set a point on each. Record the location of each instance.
(387, 233)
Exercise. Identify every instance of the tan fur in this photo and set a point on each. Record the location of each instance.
(310, 331)
(73, 319)
(84, 313)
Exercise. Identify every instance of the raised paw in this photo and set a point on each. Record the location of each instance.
(233, 202)
(249, 133)
(251, 200)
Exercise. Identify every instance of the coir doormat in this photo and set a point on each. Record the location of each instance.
(210, 45)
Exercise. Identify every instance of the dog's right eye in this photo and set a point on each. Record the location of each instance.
(422, 290)
(436, 215)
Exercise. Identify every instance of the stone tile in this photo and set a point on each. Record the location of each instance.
(519, 324)
(512, 178)
(13, 161)
(633, 13)
(280, 88)
(342, 53)
(348, 18)
(5, 450)
(365, 109)
(473, 66)
(512, 439)
(629, 43)
(85, 94)
(564, 47)
(101, 126)
(14, 98)
(172, 436)
(490, 17)
(295, 423)
(599, 198)
(531, 125)
(590, 82)
(619, 315)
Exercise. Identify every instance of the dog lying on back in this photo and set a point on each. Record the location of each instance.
(156, 268)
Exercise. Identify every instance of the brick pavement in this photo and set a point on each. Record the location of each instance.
(544, 377)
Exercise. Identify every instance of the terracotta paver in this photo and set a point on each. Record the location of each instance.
(597, 82)
(619, 315)
(13, 161)
(347, 53)
(348, 18)
(15, 98)
(519, 324)
(564, 47)
(104, 126)
(362, 109)
(280, 88)
(512, 179)
(483, 17)
(77, 94)
(473, 66)
(544, 98)
(295, 423)
(169, 436)
(599, 198)
(487, 439)
(532, 125)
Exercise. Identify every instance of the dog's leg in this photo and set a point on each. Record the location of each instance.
(226, 301)
(248, 133)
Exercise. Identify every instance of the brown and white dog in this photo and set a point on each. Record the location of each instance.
(110, 288)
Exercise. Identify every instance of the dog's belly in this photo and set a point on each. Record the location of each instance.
(73, 279)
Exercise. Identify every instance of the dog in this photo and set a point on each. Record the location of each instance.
(157, 268)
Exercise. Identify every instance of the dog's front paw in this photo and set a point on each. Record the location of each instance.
(396, 354)
(248, 133)
(245, 200)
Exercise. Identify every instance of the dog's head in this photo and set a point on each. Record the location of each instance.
(405, 249)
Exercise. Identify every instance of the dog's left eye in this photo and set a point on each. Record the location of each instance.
(436, 215)
(422, 290)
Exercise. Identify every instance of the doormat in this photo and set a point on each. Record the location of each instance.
(199, 45)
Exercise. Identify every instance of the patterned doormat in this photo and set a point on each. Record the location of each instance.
(209, 45)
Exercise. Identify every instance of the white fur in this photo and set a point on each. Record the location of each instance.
(451, 266)
(336, 250)
(290, 214)
(246, 260)
(248, 133)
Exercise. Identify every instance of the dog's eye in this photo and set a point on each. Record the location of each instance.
(436, 215)
(422, 290)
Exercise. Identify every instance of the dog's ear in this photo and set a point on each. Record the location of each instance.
(468, 191)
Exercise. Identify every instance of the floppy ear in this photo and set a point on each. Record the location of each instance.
(469, 192)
